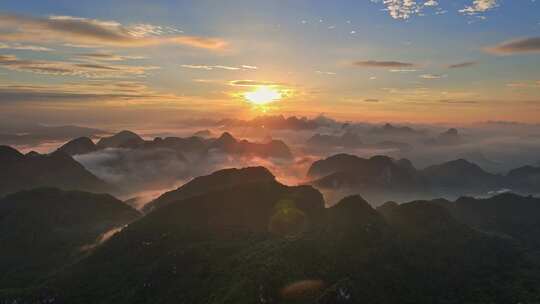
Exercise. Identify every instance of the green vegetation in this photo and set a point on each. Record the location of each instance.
(263, 242)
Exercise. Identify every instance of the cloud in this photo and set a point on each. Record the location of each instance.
(63, 68)
(254, 83)
(520, 85)
(432, 76)
(250, 67)
(325, 73)
(107, 57)
(91, 90)
(383, 64)
(402, 70)
(75, 30)
(516, 46)
(479, 6)
(465, 64)
(23, 47)
(458, 101)
(218, 67)
(371, 100)
(405, 9)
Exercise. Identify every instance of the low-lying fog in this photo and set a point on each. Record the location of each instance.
(495, 146)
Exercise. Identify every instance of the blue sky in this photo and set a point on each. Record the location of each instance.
(406, 60)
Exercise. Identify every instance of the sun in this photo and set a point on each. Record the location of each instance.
(263, 95)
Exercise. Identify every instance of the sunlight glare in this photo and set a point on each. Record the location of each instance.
(263, 95)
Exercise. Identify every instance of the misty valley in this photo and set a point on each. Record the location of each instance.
(331, 212)
(270, 152)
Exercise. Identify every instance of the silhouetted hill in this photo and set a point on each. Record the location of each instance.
(461, 177)
(447, 138)
(348, 140)
(351, 140)
(203, 134)
(57, 169)
(277, 244)
(46, 229)
(228, 144)
(8, 154)
(391, 130)
(218, 180)
(194, 145)
(333, 164)
(189, 241)
(354, 218)
(123, 139)
(506, 214)
(524, 179)
(279, 122)
(379, 178)
(81, 145)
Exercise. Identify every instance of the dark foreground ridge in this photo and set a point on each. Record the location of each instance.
(258, 241)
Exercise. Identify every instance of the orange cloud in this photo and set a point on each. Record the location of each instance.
(74, 30)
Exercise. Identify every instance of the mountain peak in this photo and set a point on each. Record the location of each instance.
(354, 204)
(81, 145)
(226, 136)
(121, 139)
(9, 154)
(218, 180)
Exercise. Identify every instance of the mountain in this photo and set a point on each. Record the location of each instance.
(461, 177)
(379, 178)
(46, 229)
(333, 164)
(194, 146)
(506, 214)
(448, 138)
(203, 133)
(123, 139)
(348, 140)
(279, 122)
(193, 244)
(524, 179)
(81, 145)
(228, 144)
(218, 180)
(58, 169)
(8, 154)
(265, 242)
(391, 130)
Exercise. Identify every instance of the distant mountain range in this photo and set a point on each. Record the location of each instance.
(254, 240)
(389, 129)
(58, 169)
(279, 122)
(226, 143)
(382, 178)
(351, 140)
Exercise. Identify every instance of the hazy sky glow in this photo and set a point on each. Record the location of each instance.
(371, 60)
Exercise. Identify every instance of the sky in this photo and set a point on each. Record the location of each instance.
(423, 61)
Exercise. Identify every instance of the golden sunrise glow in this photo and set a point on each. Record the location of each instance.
(263, 95)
